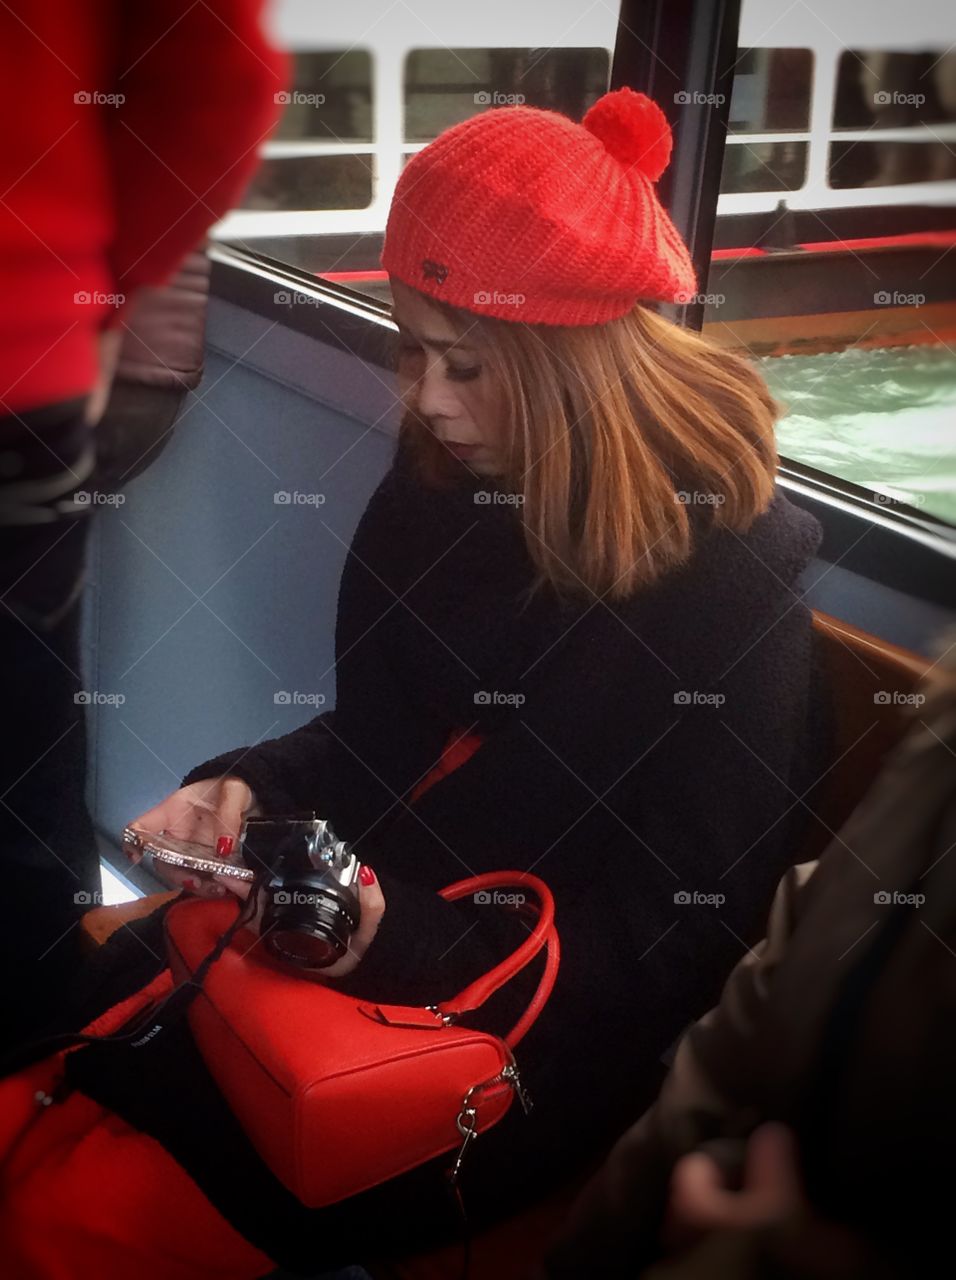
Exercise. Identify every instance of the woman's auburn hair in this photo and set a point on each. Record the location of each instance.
(614, 434)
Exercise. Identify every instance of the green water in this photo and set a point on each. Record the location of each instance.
(883, 418)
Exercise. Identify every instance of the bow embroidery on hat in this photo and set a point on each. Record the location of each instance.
(435, 270)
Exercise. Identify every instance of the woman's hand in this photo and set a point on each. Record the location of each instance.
(372, 906)
(205, 811)
(202, 812)
(371, 910)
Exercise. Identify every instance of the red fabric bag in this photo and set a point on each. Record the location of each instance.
(82, 1193)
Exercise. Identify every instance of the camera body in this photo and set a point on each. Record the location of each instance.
(309, 895)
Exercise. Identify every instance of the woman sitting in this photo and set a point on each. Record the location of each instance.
(570, 640)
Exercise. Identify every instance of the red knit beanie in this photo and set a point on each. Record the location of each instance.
(523, 214)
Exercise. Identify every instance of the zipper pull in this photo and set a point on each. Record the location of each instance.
(510, 1073)
(468, 1128)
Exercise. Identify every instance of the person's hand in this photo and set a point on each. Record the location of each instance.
(770, 1219)
(771, 1190)
(202, 812)
(109, 343)
(371, 910)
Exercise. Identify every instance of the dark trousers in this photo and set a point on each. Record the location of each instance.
(48, 857)
(53, 467)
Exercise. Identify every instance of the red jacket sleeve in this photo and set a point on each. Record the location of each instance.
(200, 84)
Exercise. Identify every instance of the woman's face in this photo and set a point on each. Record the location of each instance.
(442, 378)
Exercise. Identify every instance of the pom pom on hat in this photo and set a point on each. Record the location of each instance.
(634, 130)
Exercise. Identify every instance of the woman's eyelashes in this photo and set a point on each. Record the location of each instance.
(457, 373)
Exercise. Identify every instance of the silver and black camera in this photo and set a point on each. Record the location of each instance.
(309, 895)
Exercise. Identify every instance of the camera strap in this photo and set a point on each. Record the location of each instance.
(143, 1027)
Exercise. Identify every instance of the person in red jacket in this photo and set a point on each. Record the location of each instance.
(129, 131)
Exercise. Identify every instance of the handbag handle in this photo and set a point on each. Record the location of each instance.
(543, 934)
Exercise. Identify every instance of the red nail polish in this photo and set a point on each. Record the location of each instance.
(190, 885)
(224, 846)
(366, 875)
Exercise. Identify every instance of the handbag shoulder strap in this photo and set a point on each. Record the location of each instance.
(543, 934)
(544, 989)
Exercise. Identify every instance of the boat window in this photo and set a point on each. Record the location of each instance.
(372, 87)
(320, 156)
(770, 96)
(898, 108)
(442, 87)
(830, 267)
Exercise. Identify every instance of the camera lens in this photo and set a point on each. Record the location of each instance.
(308, 926)
(306, 950)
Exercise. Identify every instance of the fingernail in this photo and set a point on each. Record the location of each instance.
(190, 885)
(224, 846)
(366, 875)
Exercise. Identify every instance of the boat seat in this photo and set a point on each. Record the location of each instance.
(98, 923)
(872, 684)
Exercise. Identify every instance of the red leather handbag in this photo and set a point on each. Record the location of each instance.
(313, 1074)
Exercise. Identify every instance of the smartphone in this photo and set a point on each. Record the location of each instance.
(187, 854)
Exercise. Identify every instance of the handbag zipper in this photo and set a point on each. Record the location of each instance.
(467, 1119)
(511, 1074)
